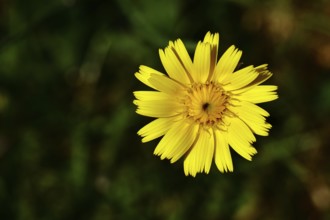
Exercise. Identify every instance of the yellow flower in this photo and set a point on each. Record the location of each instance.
(203, 105)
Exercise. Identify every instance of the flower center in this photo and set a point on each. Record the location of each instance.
(205, 106)
(206, 103)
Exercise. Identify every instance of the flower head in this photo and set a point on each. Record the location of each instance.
(204, 106)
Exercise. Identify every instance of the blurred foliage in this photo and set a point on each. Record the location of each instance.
(68, 143)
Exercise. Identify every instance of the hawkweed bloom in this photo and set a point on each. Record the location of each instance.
(204, 106)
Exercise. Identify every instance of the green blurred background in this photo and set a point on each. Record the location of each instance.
(68, 143)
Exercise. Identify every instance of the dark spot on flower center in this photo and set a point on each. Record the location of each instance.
(205, 106)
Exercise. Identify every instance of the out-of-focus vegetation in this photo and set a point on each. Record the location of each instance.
(68, 143)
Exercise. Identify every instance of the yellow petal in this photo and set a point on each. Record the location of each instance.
(177, 62)
(184, 56)
(144, 74)
(259, 94)
(240, 138)
(188, 136)
(156, 128)
(151, 95)
(250, 107)
(213, 40)
(208, 37)
(157, 108)
(165, 84)
(200, 157)
(253, 116)
(239, 79)
(173, 66)
(222, 155)
(263, 75)
(227, 63)
(202, 59)
(176, 141)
